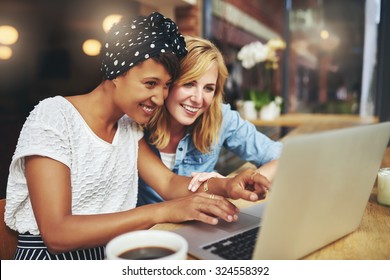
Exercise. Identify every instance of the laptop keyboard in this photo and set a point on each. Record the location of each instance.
(236, 247)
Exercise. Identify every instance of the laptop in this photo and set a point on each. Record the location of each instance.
(319, 194)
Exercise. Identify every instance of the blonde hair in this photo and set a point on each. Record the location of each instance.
(205, 129)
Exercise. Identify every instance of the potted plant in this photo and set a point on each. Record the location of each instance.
(264, 102)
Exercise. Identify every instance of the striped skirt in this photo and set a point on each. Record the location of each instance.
(32, 247)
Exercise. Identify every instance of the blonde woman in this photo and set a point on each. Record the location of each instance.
(189, 131)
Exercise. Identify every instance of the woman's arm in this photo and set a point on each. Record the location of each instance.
(170, 185)
(269, 169)
(49, 187)
(243, 139)
(50, 191)
(154, 172)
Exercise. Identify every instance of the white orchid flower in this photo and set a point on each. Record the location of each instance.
(257, 52)
(252, 54)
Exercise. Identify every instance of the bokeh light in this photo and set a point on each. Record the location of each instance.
(5, 52)
(324, 34)
(110, 20)
(92, 47)
(8, 35)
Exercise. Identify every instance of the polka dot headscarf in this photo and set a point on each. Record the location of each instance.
(130, 42)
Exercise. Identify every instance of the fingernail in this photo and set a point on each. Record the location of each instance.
(230, 218)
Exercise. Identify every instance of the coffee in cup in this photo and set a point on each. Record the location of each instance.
(146, 253)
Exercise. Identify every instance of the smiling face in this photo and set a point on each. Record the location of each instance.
(140, 91)
(187, 102)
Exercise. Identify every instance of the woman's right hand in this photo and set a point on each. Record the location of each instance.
(204, 207)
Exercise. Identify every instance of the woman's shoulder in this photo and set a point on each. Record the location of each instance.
(56, 103)
(227, 110)
(54, 100)
(229, 114)
(51, 111)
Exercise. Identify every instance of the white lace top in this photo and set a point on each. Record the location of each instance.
(104, 176)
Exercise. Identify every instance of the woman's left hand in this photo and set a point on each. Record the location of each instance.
(198, 178)
(249, 185)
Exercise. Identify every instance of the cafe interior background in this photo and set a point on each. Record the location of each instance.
(330, 55)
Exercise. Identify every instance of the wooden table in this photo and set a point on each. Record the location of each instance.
(298, 119)
(370, 241)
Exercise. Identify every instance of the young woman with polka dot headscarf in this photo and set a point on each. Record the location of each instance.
(73, 179)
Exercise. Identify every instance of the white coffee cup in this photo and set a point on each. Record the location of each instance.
(384, 186)
(147, 244)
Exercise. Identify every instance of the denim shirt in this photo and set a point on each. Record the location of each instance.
(237, 135)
